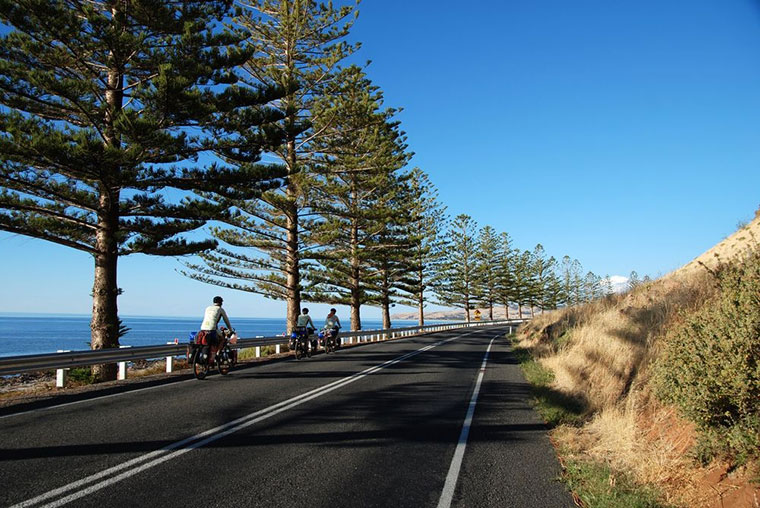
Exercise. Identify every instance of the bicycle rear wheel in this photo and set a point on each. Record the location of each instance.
(200, 363)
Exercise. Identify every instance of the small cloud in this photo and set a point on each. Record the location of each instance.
(619, 283)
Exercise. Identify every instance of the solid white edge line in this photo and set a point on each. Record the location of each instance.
(215, 433)
(447, 495)
(101, 397)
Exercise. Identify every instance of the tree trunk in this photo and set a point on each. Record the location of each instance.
(421, 299)
(104, 325)
(293, 273)
(386, 312)
(356, 321)
(292, 241)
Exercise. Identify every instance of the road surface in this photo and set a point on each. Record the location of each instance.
(437, 420)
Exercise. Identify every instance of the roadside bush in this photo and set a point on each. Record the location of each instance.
(711, 364)
(81, 375)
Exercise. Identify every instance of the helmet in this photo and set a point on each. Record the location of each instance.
(218, 299)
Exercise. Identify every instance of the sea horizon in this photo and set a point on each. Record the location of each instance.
(157, 316)
(39, 333)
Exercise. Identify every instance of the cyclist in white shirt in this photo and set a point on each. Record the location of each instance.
(333, 323)
(304, 321)
(213, 314)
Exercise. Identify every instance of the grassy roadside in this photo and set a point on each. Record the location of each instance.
(593, 484)
(554, 407)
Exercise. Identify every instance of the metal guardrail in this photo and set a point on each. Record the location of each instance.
(65, 360)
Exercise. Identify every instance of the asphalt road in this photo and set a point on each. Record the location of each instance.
(378, 425)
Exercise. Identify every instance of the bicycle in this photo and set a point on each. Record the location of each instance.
(299, 342)
(328, 339)
(199, 353)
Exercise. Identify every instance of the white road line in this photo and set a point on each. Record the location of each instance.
(456, 462)
(157, 457)
(101, 397)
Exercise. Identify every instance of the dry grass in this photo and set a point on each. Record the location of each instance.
(603, 352)
(730, 249)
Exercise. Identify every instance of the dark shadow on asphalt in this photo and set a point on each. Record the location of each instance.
(418, 412)
(445, 359)
(96, 391)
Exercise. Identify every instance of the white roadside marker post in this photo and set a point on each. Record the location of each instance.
(170, 358)
(122, 374)
(61, 374)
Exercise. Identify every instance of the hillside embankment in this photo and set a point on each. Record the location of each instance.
(667, 378)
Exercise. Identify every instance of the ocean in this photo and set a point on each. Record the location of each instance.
(36, 334)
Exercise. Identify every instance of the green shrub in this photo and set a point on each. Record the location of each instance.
(711, 364)
(81, 375)
(599, 487)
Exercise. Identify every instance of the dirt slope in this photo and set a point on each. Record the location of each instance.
(602, 353)
(730, 249)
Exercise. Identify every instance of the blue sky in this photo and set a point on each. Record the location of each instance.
(623, 134)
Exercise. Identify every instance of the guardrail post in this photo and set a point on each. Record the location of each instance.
(61, 374)
(170, 359)
(122, 374)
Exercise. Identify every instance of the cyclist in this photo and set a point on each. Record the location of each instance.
(332, 323)
(213, 314)
(305, 323)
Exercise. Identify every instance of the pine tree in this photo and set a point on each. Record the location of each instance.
(507, 280)
(104, 106)
(389, 250)
(488, 259)
(566, 281)
(456, 285)
(427, 220)
(542, 269)
(554, 290)
(607, 289)
(577, 292)
(524, 281)
(592, 287)
(633, 280)
(297, 45)
(357, 193)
